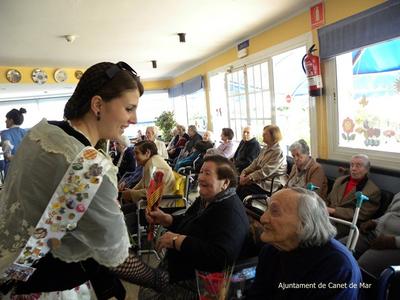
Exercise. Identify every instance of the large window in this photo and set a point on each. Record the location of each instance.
(36, 109)
(271, 91)
(368, 95)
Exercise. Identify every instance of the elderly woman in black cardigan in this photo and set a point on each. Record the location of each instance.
(209, 237)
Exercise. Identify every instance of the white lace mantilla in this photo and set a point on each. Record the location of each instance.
(40, 163)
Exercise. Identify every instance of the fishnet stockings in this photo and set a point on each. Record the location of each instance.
(136, 271)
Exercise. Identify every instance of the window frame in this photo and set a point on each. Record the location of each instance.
(335, 152)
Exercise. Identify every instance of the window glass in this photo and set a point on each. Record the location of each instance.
(291, 97)
(368, 85)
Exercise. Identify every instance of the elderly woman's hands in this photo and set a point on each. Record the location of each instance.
(244, 179)
(158, 217)
(170, 240)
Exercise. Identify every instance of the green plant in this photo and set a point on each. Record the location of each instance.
(166, 122)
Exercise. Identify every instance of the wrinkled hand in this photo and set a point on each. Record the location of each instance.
(158, 217)
(331, 211)
(384, 242)
(243, 180)
(121, 186)
(368, 226)
(165, 241)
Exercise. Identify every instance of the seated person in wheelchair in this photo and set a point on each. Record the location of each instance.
(341, 201)
(147, 157)
(208, 237)
(302, 260)
(125, 158)
(271, 162)
(199, 149)
(378, 246)
(306, 169)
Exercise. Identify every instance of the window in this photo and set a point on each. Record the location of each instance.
(291, 96)
(368, 94)
(36, 109)
(151, 105)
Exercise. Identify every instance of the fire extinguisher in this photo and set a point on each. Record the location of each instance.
(312, 68)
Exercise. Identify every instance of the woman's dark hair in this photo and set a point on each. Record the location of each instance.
(105, 79)
(228, 133)
(16, 115)
(225, 168)
(202, 146)
(143, 146)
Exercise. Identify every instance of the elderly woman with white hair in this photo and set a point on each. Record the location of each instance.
(306, 169)
(301, 259)
(151, 134)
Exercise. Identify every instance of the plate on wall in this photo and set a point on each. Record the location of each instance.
(78, 74)
(13, 76)
(39, 76)
(60, 75)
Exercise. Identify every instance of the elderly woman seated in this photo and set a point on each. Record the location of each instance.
(147, 157)
(307, 170)
(257, 178)
(301, 259)
(209, 237)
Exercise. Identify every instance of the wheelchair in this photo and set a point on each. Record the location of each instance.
(174, 204)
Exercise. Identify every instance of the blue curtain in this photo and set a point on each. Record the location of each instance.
(377, 24)
(187, 87)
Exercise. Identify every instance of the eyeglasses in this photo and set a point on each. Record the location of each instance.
(121, 66)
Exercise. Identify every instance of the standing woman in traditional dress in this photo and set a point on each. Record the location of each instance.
(58, 208)
(12, 137)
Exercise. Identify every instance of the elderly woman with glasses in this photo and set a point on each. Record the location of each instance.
(301, 259)
(59, 219)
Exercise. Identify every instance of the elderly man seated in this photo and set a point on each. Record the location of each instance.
(378, 246)
(247, 151)
(342, 200)
(301, 259)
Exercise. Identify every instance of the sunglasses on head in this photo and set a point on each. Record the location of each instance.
(121, 66)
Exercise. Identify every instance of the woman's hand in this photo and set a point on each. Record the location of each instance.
(157, 216)
(126, 195)
(244, 179)
(170, 240)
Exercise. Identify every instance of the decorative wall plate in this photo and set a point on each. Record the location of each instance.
(60, 75)
(78, 74)
(13, 76)
(39, 76)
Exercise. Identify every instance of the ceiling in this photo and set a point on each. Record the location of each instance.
(135, 31)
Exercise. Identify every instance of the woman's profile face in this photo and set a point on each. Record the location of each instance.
(9, 123)
(209, 183)
(116, 115)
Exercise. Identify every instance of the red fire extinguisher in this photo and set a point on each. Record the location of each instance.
(311, 66)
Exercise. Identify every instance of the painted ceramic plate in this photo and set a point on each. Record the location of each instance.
(78, 74)
(13, 76)
(39, 76)
(60, 75)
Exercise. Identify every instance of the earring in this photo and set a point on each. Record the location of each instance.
(98, 116)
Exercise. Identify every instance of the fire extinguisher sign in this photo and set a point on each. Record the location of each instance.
(317, 15)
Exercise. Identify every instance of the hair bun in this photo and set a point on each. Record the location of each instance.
(22, 110)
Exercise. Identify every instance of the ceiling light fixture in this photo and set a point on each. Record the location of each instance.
(70, 38)
(154, 64)
(182, 37)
